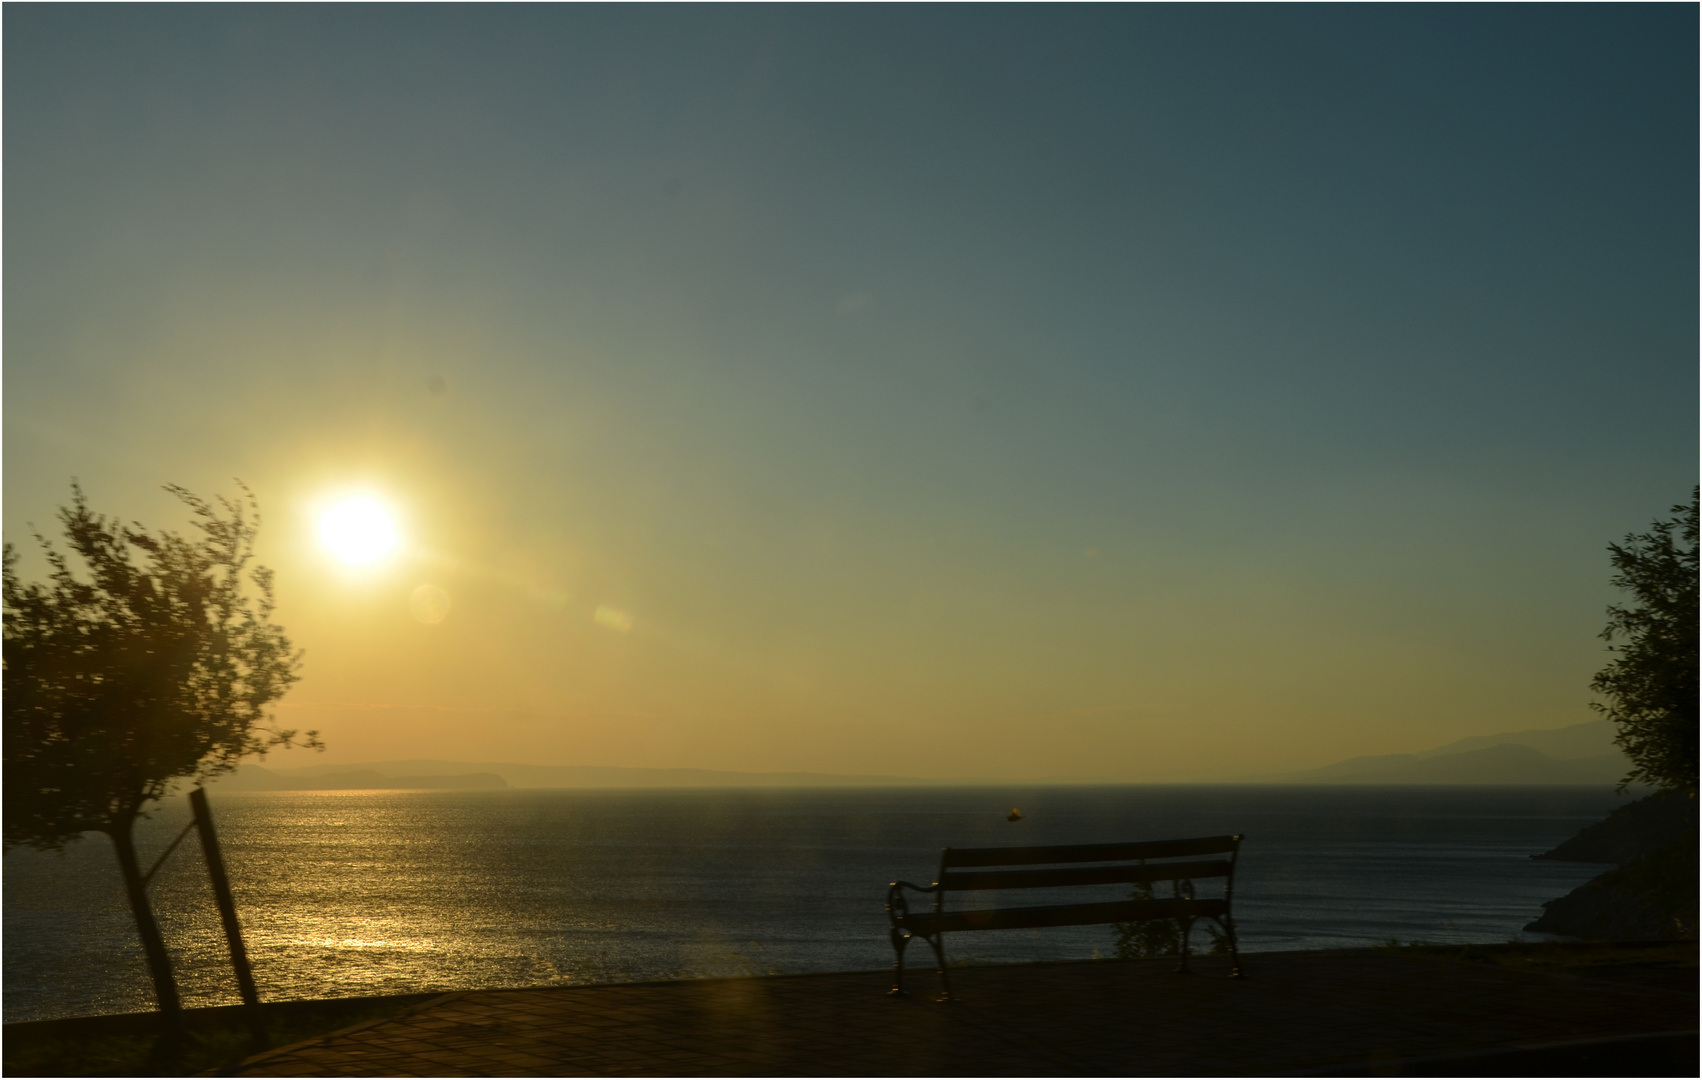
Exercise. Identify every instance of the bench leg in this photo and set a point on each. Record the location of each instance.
(938, 942)
(900, 938)
(1235, 971)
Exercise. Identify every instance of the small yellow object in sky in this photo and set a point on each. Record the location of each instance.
(359, 531)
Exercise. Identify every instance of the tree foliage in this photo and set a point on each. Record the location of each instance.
(157, 663)
(118, 685)
(1150, 939)
(1650, 686)
(1156, 938)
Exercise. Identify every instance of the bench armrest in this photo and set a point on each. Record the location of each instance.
(898, 905)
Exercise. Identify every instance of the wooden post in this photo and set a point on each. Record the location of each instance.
(227, 914)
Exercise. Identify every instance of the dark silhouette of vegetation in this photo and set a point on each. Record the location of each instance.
(1150, 939)
(1157, 938)
(1651, 686)
(159, 666)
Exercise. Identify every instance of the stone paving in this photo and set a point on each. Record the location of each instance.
(1296, 1013)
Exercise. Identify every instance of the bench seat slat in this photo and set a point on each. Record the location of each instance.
(928, 923)
(1080, 875)
(1068, 853)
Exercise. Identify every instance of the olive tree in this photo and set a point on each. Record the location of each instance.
(1650, 687)
(147, 659)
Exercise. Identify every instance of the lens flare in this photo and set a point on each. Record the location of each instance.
(429, 604)
(359, 531)
(613, 618)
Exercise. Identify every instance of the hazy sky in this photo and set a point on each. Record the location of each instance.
(1138, 393)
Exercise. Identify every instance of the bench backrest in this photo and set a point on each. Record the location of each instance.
(963, 869)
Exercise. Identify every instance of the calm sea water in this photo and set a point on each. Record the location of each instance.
(352, 893)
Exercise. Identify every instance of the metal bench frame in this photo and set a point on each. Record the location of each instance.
(1176, 861)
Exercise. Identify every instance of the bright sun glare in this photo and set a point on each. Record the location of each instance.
(359, 531)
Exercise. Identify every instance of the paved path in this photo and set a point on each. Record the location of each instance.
(1298, 1012)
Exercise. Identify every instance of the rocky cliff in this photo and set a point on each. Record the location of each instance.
(1652, 894)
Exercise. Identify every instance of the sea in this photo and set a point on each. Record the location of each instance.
(352, 893)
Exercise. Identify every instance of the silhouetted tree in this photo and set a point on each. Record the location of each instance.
(1651, 687)
(158, 667)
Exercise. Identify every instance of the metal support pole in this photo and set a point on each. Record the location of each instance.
(227, 915)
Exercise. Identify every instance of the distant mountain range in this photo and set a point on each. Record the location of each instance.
(259, 778)
(1580, 754)
(461, 774)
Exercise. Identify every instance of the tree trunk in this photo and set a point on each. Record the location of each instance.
(153, 944)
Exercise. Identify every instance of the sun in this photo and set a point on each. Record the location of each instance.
(359, 531)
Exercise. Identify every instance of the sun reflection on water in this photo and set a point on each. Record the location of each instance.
(381, 892)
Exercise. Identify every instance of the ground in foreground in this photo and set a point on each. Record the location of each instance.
(1411, 1010)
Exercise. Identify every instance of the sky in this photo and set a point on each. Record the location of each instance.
(1134, 393)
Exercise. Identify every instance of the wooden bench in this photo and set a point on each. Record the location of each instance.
(1179, 862)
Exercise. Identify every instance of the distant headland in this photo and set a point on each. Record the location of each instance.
(1579, 754)
(426, 773)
